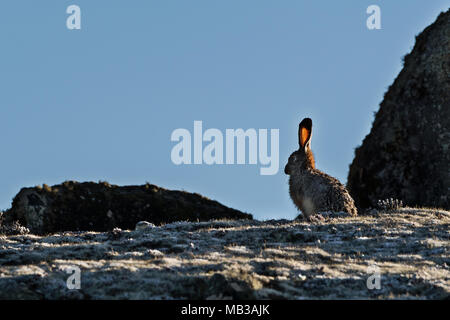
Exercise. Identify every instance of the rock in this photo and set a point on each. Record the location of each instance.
(13, 229)
(406, 155)
(142, 225)
(276, 259)
(73, 206)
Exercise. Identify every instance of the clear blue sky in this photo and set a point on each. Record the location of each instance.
(100, 103)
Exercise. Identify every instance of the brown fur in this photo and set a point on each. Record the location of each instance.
(310, 162)
(312, 190)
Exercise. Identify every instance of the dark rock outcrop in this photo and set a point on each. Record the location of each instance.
(406, 154)
(89, 206)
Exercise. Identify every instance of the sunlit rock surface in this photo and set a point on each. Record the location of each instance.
(243, 259)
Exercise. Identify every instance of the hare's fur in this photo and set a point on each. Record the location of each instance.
(312, 190)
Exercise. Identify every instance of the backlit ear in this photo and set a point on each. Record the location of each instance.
(304, 132)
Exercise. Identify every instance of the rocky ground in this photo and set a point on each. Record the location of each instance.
(244, 259)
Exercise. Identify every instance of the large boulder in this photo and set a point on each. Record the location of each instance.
(406, 154)
(73, 206)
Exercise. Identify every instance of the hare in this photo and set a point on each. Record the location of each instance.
(312, 190)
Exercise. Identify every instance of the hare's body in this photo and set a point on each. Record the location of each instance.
(312, 190)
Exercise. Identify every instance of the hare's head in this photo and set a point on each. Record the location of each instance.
(303, 157)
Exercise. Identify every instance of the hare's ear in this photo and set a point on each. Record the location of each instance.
(304, 133)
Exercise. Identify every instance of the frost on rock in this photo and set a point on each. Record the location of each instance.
(238, 259)
(144, 225)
